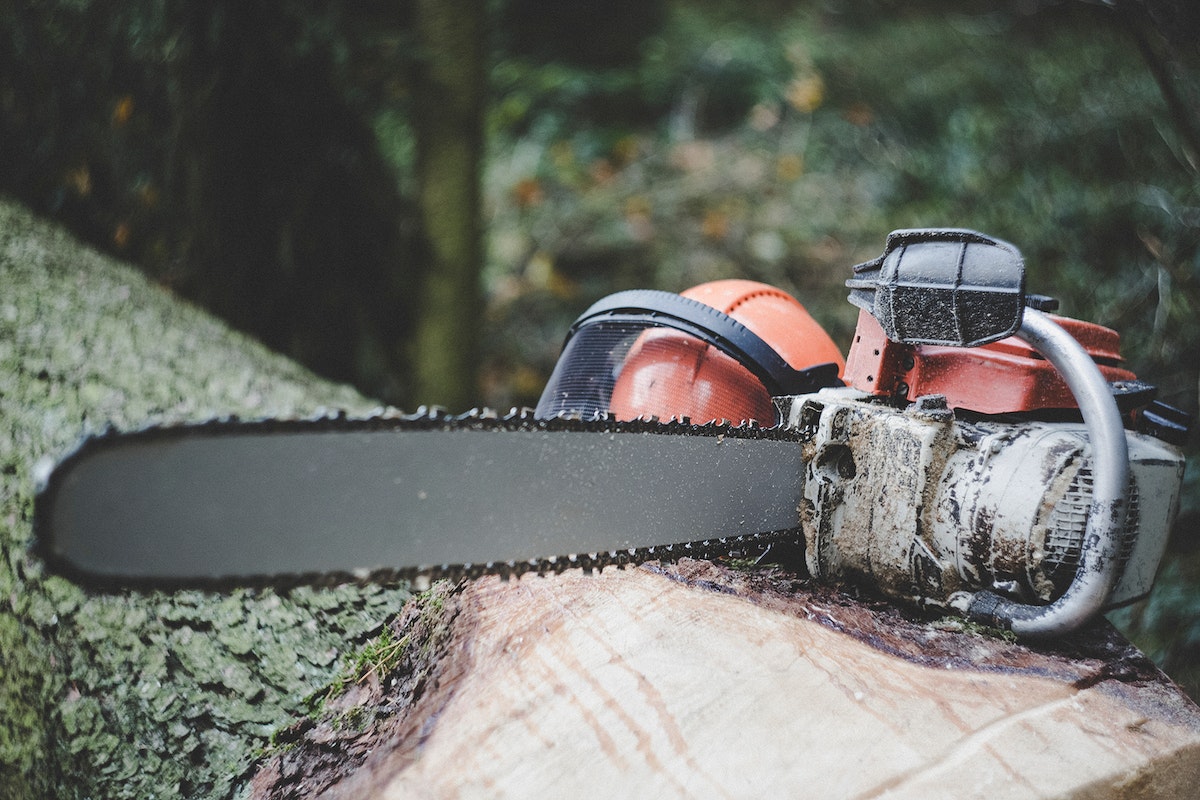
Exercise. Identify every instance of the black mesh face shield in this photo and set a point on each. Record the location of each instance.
(648, 353)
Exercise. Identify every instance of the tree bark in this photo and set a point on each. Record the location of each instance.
(449, 90)
(141, 694)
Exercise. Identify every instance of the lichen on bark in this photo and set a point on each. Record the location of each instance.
(141, 694)
(367, 712)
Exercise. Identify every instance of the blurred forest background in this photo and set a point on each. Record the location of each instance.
(417, 197)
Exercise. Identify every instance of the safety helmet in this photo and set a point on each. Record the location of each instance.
(719, 351)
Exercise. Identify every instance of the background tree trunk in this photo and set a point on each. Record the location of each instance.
(449, 90)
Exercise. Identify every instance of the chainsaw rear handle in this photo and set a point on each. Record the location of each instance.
(1096, 573)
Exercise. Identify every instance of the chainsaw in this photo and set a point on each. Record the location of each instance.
(974, 453)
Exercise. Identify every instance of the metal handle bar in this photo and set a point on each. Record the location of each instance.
(1097, 570)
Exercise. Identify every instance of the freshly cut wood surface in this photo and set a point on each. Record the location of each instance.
(694, 680)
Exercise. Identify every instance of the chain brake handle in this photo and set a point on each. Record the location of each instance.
(956, 287)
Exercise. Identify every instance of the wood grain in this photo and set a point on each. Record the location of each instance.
(698, 681)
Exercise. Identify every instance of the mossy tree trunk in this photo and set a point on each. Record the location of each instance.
(449, 91)
(140, 694)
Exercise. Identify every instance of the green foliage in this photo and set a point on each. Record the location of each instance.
(1047, 129)
(1048, 132)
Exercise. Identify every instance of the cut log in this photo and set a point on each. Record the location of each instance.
(695, 680)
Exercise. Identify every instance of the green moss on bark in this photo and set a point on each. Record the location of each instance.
(144, 694)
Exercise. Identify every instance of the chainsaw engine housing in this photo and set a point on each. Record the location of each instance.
(924, 505)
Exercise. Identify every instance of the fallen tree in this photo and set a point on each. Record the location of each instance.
(676, 680)
(140, 694)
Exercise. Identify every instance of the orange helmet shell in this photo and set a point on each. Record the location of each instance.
(668, 373)
(672, 374)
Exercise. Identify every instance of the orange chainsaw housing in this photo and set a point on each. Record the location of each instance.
(669, 373)
(1003, 377)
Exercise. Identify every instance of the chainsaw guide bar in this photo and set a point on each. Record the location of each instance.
(329, 499)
